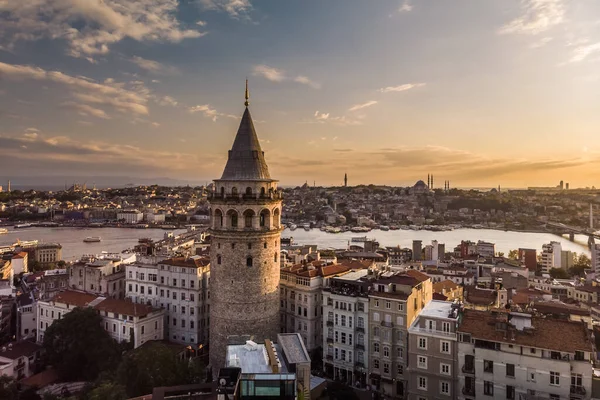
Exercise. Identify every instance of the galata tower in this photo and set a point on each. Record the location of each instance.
(245, 227)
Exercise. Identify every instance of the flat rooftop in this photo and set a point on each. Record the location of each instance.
(252, 360)
(353, 275)
(437, 309)
(293, 348)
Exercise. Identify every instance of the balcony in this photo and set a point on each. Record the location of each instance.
(432, 332)
(329, 322)
(329, 340)
(387, 324)
(360, 346)
(468, 390)
(468, 368)
(360, 329)
(359, 364)
(579, 390)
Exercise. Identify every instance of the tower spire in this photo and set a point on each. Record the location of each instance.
(247, 94)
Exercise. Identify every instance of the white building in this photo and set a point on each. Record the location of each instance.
(130, 216)
(122, 319)
(18, 359)
(155, 218)
(595, 248)
(486, 249)
(179, 286)
(523, 357)
(300, 298)
(551, 256)
(346, 328)
(19, 263)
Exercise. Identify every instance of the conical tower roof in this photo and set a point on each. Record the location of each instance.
(246, 159)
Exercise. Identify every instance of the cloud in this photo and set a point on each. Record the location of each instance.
(581, 53)
(201, 23)
(361, 106)
(90, 27)
(538, 16)
(236, 9)
(322, 118)
(400, 88)
(306, 81)
(209, 112)
(277, 75)
(124, 98)
(153, 66)
(86, 110)
(167, 101)
(541, 43)
(405, 7)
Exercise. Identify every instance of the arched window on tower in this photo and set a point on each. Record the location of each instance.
(248, 261)
(265, 219)
(276, 218)
(249, 191)
(275, 257)
(218, 219)
(262, 192)
(219, 259)
(234, 191)
(232, 216)
(248, 218)
(222, 191)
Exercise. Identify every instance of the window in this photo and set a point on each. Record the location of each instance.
(343, 338)
(386, 352)
(142, 329)
(430, 325)
(445, 388)
(488, 388)
(399, 369)
(576, 380)
(530, 375)
(555, 378)
(400, 307)
(376, 332)
(388, 305)
(248, 261)
(183, 309)
(376, 317)
(422, 362)
(423, 343)
(386, 368)
(375, 364)
(510, 392)
(376, 303)
(445, 369)
(510, 370)
(488, 366)
(249, 246)
(376, 347)
(579, 356)
(174, 282)
(422, 383)
(446, 326)
(399, 352)
(445, 347)
(532, 350)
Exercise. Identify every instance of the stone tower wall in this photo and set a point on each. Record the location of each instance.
(244, 299)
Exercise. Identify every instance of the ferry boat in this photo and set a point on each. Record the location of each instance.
(3, 230)
(92, 239)
(21, 226)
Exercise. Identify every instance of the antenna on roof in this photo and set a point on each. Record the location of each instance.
(247, 94)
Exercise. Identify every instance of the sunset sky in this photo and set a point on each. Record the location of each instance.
(481, 93)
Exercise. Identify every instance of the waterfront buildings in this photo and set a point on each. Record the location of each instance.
(245, 210)
(180, 286)
(485, 249)
(122, 319)
(301, 305)
(432, 351)
(130, 216)
(346, 327)
(48, 254)
(551, 256)
(511, 355)
(395, 301)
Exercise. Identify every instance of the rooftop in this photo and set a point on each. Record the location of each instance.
(72, 297)
(125, 307)
(15, 350)
(251, 359)
(293, 348)
(437, 309)
(547, 333)
(191, 262)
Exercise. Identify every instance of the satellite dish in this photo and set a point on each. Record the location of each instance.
(222, 382)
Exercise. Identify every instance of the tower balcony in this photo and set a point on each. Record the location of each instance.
(242, 197)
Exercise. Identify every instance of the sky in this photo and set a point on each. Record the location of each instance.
(480, 93)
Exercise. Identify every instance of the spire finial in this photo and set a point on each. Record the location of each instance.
(247, 95)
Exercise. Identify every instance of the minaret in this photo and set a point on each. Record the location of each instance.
(431, 187)
(8, 189)
(245, 228)
(428, 181)
(346, 180)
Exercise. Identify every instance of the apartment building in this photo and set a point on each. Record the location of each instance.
(48, 253)
(432, 350)
(300, 299)
(395, 300)
(512, 355)
(551, 256)
(104, 277)
(19, 360)
(345, 327)
(122, 319)
(485, 249)
(180, 286)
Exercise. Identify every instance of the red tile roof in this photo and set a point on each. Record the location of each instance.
(75, 298)
(124, 307)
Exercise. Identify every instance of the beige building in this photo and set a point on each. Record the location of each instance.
(512, 355)
(432, 348)
(103, 277)
(48, 253)
(395, 300)
(301, 304)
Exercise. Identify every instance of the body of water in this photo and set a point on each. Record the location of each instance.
(504, 240)
(114, 240)
(118, 239)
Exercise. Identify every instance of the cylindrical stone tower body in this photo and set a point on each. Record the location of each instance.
(245, 210)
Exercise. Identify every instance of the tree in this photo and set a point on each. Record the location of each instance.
(500, 254)
(108, 391)
(154, 364)
(558, 273)
(513, 254)
(78, 346)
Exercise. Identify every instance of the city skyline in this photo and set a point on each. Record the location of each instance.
(477, 94)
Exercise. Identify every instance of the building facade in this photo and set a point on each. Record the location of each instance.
(104, 277)
(48, 253)
(245, 210)
(432, 351)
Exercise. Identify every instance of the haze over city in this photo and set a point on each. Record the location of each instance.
(480, 93)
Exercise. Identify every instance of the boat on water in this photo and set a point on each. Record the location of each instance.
(3, 230)
(358, 239)
(22, 226)
(92, 239)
